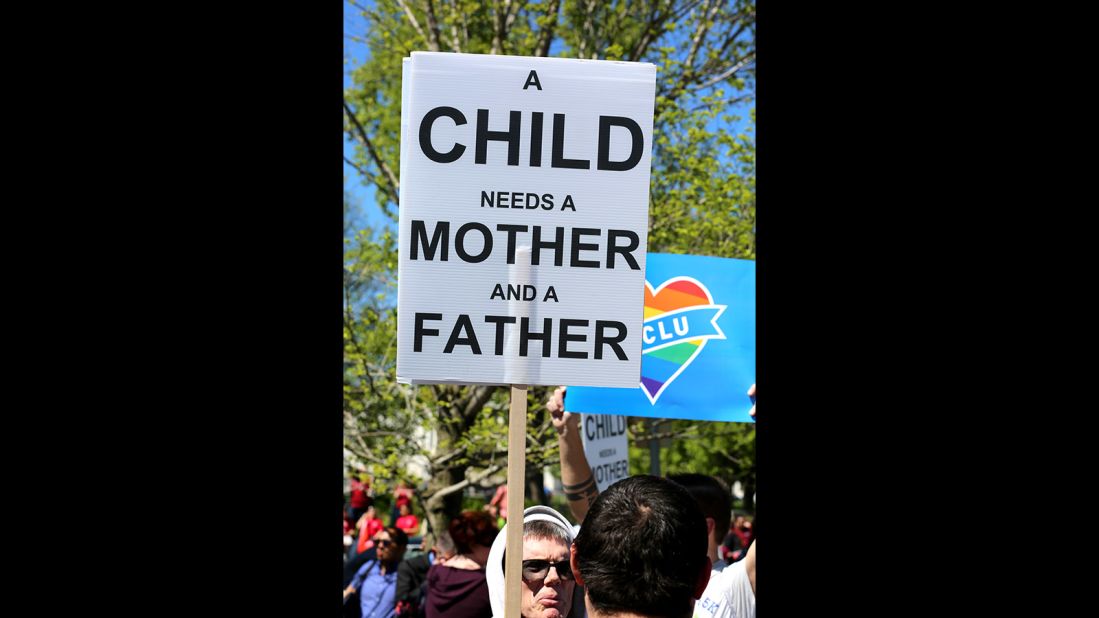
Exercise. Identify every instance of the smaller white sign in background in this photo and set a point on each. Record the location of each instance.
(604, 438)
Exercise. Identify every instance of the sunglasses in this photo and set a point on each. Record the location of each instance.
(537, 570)
(384, 542)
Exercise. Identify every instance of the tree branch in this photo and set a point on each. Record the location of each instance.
(655, 18)
(690, 430)
(465, 29)
(688, 74)
(499, 30)
(373, 179)
(477, 399)
(358, 169)
(732, 38)
(588, 37)
(452, 37)
(732, 70)
(513, 12)
(432, 26)
(715, 59)
(440, 410)
(442, 459)
(394, 186)
(416, 24)
(358, 348)
(736, 461)
(358, 6)
(545, 35)
(377, 434)
(365, 453)
(373, 16)
(686, 8)
(350, 321)
(696, 43)
(487, 472)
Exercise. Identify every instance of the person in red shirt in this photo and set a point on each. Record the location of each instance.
(407, 521)
(360, 497)
(369, 525)
(402, 494)
(737, 541)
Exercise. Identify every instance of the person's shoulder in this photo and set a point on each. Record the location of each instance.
(421, 561)
(725, 579)
(727, 595)
(735, 576)
(433, 572)
(740, 599)
(443, 573)
(366, 566)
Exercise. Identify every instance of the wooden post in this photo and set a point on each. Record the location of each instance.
(517, 463)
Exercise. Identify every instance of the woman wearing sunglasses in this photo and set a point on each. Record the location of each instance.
(376, 581)
(548, 587)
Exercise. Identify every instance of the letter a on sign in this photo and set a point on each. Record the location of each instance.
(532, 79)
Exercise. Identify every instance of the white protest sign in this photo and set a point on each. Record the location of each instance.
(604, 439)
(523, 220)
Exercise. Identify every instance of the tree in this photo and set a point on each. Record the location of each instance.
(702, 198)
(725, 450)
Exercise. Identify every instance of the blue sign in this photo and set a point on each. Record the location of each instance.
(698, 344)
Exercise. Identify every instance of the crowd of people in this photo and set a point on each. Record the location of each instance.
(646, 547)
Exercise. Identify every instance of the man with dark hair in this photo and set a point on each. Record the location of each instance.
(716, 502)
(642, 551)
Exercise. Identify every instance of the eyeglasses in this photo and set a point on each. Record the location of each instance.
(384, 542)
(537, 570)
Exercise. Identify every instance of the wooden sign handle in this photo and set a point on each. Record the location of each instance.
(517, 461)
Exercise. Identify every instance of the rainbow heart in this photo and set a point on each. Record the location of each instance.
(667, 351)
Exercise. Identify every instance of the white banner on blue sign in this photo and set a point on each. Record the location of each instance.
(698, 344)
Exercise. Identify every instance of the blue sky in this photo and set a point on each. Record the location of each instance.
(354, 54)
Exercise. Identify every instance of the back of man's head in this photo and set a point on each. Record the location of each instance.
(713, 497)
(643, 548)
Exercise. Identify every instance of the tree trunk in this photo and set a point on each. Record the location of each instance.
(440, 510)
(463, 404)
(536, 490)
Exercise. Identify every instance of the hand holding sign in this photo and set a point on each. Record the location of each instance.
(562, 421)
